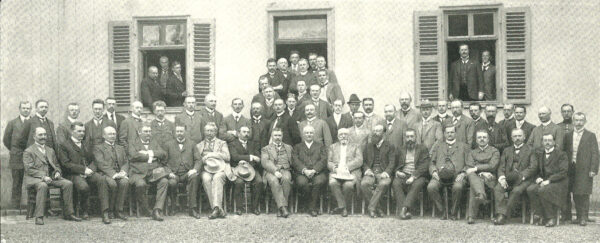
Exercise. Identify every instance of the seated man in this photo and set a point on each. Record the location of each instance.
(213, 175)
(446, 168)
(309, 159)
(380, 160)
(42, 170)
(515, 174)
(185, 168)
(276, 159)
(245, 153)
(113, 165)
(146, 155)
(79, 169)
(548, 193)
(343, 161)
(411, 172)
(480, 167)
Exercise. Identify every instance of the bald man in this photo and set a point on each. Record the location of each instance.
(309, 160)
(547, 127)
(210, 113)
(151, 88)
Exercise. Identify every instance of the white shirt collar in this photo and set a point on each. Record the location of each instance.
(390, 122)
(234, 114)
(308, 144)
(40, 116)
(160, 121)
(311, 119)
(303, 73)
(443, 115)
(257, 117)
(407, 110)
(209, 110)
(111, 144)
(190, 113)
(135, 116)
(425, 120)
(549, 150)
(450, 142)
(23, 118)
(520, 146)
(519, 123)
(369, 114)
(180, 141)
(579, 131)
(75, 140)
(545, 124)
(379, 143)
(485, 147)
(243, 142)
(337, 116)
(71, 119)
(281, 113)
(291, 110)
(302, 93)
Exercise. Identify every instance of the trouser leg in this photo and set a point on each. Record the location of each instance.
(193, 182)
(140, 192)
(380, 189)
(17, 183)
(534, 199)
(207, 184)
(258, 188)
(457, 193)
(172, 189)
(66, 188)
(500, 201)
(286, 184)
(476, 190)
(398, 187)
(413, 193)
(112, 187)
(122, 189)
(82, 189)
(238, 192)
(161, 193)
(315, 192)
(276, 190)
(366, 186)
(336, 190)
(102, 188)
(515, 195)
(433, 191)
(41, 191)
(582, 205)
(303, 187)
(218, 183)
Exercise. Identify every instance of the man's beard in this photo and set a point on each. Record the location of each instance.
(410, 145)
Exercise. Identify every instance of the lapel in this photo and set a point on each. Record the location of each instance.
(41, 156)
(75, 147)
(584, 136)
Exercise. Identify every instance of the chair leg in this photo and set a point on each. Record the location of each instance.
(446, 209)
(295, 203)
(421, 199)
(558, 217)
(523, 211)
(352, 204)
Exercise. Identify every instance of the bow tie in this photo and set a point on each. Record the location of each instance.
(256, 121)
(236, 117)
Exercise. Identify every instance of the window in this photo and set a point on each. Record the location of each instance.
(497, 41)
(190, 42)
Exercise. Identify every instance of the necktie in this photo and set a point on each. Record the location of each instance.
(244, 145)
(43, 120)
(389, 126)
(455, 120)
(237, 118)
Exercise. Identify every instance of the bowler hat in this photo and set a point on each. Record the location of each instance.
(353, 99)
(244, 171)
(344, 175)
(513, 178)
(214, 165)
(447, 170)
(159, 173)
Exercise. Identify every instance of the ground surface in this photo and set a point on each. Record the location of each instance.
(299, 227)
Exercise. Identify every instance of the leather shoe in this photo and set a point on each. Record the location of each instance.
(537, 220)
(119, 215)
(551, 223)
(222, 213)
(214, 214)
(39, 220)
(156, 215)
(404, 214)
(470, 220)
(583, 223)
(30, 211)
(256, 211)
(111, 215)
(238, 212)
(501, 220)
(372, 214)
(380, 213)
(344, 212)
(85, 216)
(72, 217)
(194, 213)
(314, 213)
(105, 218)
(284, 212)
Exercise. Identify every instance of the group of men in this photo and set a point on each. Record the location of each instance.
(298, 135)
(166, 84)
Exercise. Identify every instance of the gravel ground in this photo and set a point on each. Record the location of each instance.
(298, 227)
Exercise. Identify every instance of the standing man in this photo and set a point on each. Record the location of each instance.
(519, 122)
(406, 113)
(10, 140)
(259, 133)
(354, 104)
(288, 74)
(146, 158)
(480, 168)
(323, 109)
(508, 110)
(309, 159)
(64, 128)
(163, 130)
(232, 123)
(448, 159)
(496, 131)
(111, 114)
(275, 79)
(185, 167)
(303, 94)
(131, 126)
(191, 119)
(380, 161)
(465, 77)
(371, 119)
(78, 167)
(478, 122)
(515, 174)
(581, 147)
(27, 135)
(312, 60)
(176, 92)
(245, 156)
(567, 110)
(331, 91)
(276, 159)
(292, 111)
(442, 110)
(164, 71)
(551, 187)
(112, 163)
(303, 74)
(465, 127)
(395, 127)
(266, 99)
(151, 88)
(294, 58)
(428, 130)
(411, 173)
(321, 65)
(358, 134)
(338, 120)
(210, 113)
(215, 158)
(488, 74)
(282, 120)
(94, 129)
(42, 170)
(321, 129)
(547, 127)
(344, 162)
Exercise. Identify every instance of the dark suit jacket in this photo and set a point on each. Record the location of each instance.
(489, 82)
(322, 111)
(163, 134)
(333, 92)
(267, 111)
(217, 118)
(422, 160)
(526, 127)
(309, 78)
(128, 132)
(230, 124)
(138, 163)
(474, 79)
(291, 134)
(259, 132)
(151, 91)
(28, 131)
(182, 157)
(297, 116)
(239, 153)
(93, 133)
(313, 158)
(276, 80)
(175, 87)
(73, 159)
(11, 139)
(63, 131)
(387, 157)
(120, 119)
(194, 129)
(555, 169)
(440, 120)
(345, 122)
(36, 165)
(587, 160)
(396, 135)
(521, 163)
(106, 162)
(498, 137)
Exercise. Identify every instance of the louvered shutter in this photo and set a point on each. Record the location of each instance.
(517, 55)
(120, 71)
(203, 57)
(428, 68)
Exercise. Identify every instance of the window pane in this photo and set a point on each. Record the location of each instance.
(151, 35)
(302, 29)
(174, 34)
(458, 25)
(483, 24)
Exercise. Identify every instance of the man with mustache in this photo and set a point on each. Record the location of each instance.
(406, 112)
(380, 161)
(344, 158)
(465, 79)
(63, 131)
(276, 159)
(10, 140)
(547, 127)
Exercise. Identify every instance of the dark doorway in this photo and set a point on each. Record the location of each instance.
(152, 58)
(283, 50)
(476, 48)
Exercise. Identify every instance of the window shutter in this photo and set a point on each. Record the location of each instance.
(428, 69)
(517, 55)
(203, 72)
(120, 71)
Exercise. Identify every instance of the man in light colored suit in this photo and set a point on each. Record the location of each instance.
(395, 127)
(406, 112)
(331, 91)
(358, 134)
(371, 119)
(322, 133)
(344, 158)
(191, 119)
(322, 108)
(429, 131)
(232, 123)
(465, 128)
(547, 127)
(276, 160)
(213, 148)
